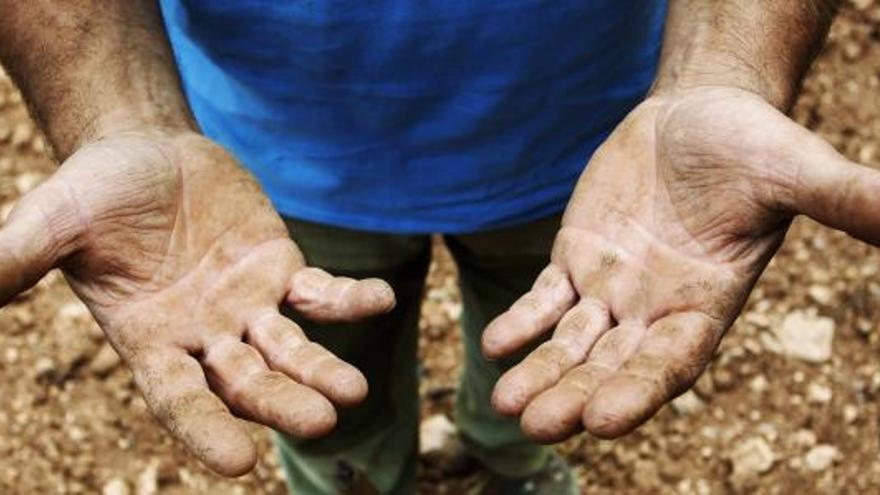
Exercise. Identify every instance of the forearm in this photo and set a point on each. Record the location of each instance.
(762, 46)
(88, 68)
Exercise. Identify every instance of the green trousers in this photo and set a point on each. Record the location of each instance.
(374, 447)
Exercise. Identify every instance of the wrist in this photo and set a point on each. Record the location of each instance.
(142, 119)
(761, 47)
(678, 77)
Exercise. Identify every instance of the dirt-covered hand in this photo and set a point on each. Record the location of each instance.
(184, 263)
(669, 228)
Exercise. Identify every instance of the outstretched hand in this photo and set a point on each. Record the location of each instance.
(669, 228)
(184, 264)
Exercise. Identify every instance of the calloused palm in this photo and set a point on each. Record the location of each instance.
(669, 228)
(184, 264)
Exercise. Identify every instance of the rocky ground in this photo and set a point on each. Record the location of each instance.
(789, 405)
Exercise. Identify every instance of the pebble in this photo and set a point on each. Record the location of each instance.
(723, 379)
(818, 394)
(805, 337)
(821, 294)
(688, 403)
(27, 181)
(105, 361)
(21, 134)
(758, 384)
(435, 434)
(821, 457)
(116, 486)
(850, 413)
(44, 368)
(804, 438)
(752, 457)
(148, 481)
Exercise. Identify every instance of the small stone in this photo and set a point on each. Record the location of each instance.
(821, 457)
(21, 135)
(23, 316)
(5, 211)
(44, 368)
(804, 438)
(850, 413)
(752, 457)
(818, 394)
(116, 486)
(723, 379)
(805, 337)
(821, 294)
(852, 50)
(435, 434)
(769, 342)
(758, 384)
(11, 355)
(705, 387)
(148, 481)
(105, 361)
(688, 403)
(768, 431)
(760, 320)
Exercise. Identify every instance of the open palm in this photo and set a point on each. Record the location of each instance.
(184, 264)
(669, 228)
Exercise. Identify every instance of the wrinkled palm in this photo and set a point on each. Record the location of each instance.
(670, 226)
(184, 264)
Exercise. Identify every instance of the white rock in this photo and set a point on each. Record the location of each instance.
(818, 394)
(821, 457)
(5, 210)
(116, 486)
(105, 361)
(758, 384)
(806, 337)
(752, 457)
(435, 434)
(688, 403)
(804, 438)
(26, 182)
(850, 413)
(821, 294)
(148, 481)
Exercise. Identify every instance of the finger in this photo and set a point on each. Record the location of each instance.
(240, 376)
(674, 352)
(532, 315)
(556, 414)
(574, 336)
(286, 348)
(321, 297)
(836, 192)
(40, 230)
(177, 393)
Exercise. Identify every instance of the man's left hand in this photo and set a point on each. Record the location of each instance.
(669, 228)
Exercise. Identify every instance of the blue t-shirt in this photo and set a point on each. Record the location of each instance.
(414, 115)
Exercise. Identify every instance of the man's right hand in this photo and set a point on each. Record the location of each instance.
(184, 263)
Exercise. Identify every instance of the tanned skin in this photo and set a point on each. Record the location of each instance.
(169, 242)
(674, 220)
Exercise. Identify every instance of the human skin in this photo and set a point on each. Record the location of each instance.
(673, 221)
(171, 244)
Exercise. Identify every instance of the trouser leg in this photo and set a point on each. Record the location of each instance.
(496, 268)
(374, 447)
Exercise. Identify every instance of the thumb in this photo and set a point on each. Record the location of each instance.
(40, 230)
(837, 192)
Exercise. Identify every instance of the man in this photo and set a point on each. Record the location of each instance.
(370, 125)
